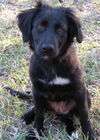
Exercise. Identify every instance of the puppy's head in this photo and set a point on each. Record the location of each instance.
(49, 30)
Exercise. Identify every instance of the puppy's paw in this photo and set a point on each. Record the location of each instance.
(74, 135)
(27, 119)
(31, 135)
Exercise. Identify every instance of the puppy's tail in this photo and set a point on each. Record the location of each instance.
(19, 94)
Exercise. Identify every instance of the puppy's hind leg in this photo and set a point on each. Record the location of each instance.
(29, 116)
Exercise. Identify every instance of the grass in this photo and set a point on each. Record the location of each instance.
(14, 63)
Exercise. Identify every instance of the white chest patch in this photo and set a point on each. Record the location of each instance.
(60, 81)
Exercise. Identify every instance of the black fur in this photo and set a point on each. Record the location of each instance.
(19, 94)
(51, 32)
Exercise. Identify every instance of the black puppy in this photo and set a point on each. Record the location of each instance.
(55, 70)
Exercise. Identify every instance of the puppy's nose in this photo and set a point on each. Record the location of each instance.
(47, 48)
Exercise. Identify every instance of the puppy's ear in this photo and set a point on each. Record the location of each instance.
(25, 21)
(74, 26)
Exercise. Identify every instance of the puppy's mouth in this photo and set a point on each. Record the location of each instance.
(46, 56)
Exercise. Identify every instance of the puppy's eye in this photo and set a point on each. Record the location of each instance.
(58, 28)
(43, 26)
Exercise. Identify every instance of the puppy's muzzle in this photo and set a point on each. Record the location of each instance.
(48, 50)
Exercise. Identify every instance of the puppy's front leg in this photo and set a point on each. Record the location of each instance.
(39, 114)
(28, 117)
(82, 104)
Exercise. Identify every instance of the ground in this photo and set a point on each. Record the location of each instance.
(14, 63)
